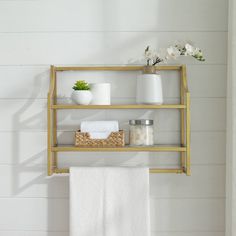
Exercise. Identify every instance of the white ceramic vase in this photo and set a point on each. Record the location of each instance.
(149, 88)
(101, 93)
(82, 97)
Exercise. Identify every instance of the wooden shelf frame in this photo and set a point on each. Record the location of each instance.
(127, 148)
(128, 106)
(184, 107)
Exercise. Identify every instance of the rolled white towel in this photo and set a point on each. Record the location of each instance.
(99, 126)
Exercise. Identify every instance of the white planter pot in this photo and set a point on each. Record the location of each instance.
(149, 89)
(81, 97)
(101, 93)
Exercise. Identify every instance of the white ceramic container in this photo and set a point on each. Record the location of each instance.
(149, 89)
(101, 93)
(82, 97)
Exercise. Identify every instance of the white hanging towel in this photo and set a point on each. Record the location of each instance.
(109, 201)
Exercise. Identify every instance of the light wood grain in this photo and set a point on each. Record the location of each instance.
(49, 137)
(151, 170)
(112, 68)
(124, 106)
(188, 134)
(155, 148)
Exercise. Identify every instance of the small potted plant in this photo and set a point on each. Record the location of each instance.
(81, 94)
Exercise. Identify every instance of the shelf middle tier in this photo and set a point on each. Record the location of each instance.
(124, 106)
(126, 148)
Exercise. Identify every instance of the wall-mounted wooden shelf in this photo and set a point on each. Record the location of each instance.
(184, 107)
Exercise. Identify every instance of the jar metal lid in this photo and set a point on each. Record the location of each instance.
(141, 122)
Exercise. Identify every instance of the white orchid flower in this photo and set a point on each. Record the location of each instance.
(173, 52)
(197, 51)
(189, 49)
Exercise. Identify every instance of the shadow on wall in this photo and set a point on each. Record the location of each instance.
(18, 124)
(29, 174)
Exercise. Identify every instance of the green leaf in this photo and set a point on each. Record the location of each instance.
(81, 85)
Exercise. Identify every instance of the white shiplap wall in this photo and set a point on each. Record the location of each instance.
(37, 33)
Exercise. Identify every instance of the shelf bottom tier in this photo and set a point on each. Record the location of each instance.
(151, 170)
(126, 148)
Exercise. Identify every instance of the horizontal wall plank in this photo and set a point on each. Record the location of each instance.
(207, 114)
(204, 114)
(99, 47)
(107, 16)
(23, 114)
(155, 233)
(31, 181)
(30, 148)
(204, 81)
(36, 233)
(23, 147)
(113, 15)
(207, 81)
(188, 215)
(34, 214)
(205, 181)
(33, 82)
(52, 214)
(208, 147)
(24, 81)
(186, 233)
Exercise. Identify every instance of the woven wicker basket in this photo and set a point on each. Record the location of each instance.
(115, 139)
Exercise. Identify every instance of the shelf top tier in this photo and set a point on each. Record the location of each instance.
(123, 106)
(55, 69)
(113, 68)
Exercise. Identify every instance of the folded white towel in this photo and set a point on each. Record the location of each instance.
(109, 201)
(99, 126)
(99, 135)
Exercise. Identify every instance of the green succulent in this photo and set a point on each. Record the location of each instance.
(81, 85)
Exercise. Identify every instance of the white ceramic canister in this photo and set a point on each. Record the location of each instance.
(101, 93)
(149, 89)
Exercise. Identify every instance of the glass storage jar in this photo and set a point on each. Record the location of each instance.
(141, 132)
